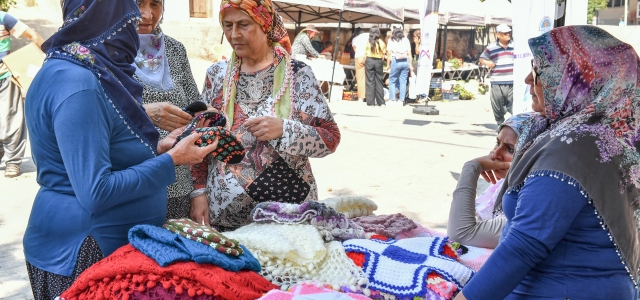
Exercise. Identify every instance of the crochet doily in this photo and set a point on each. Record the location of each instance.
(291, 254)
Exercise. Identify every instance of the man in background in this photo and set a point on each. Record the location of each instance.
(359, 45)
(13, 131)
(498, 57)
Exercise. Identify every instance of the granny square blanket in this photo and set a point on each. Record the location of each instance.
(401, 267)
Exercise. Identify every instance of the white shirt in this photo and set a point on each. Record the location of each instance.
(360, 42)
(403, 46)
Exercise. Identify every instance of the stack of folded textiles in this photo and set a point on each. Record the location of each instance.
(204, 234)
(161, 263)
(295, 253)
(414, 268)
(331, 224)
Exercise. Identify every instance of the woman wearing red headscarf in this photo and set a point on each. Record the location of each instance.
(275, 106)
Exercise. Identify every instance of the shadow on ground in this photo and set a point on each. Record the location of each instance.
(491, 126)
(474, 132)
(419, 140)
(45, 28)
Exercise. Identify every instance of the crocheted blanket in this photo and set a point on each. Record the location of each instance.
(352, 206)
(472, 257)
(311, 292)
(386, 225)
(330, 223)
(127, 270)
(166, 247)
(290, 254)
(402, 267)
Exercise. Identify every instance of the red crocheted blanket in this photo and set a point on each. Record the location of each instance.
(128, 270)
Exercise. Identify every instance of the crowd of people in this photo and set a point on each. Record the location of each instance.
(118, 157)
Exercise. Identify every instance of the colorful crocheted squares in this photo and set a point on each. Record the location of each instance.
(401, 267)
(278, 183)
(230, 150)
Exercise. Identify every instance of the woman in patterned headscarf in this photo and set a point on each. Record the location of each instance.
(275, 107)
(101, 168)
(571, 197)
(163, 69)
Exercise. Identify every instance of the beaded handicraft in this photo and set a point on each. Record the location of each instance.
(230, 150)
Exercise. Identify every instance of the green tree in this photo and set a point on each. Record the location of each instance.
(6, 4)
(593, 7)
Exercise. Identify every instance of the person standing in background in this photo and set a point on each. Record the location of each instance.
(415, 43)
(399, 62)
(359, 45)
(163, 69)
(302, 43)
(13, 132)
(498, 57)
(375, 51)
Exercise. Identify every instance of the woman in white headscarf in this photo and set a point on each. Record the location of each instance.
(162, 67)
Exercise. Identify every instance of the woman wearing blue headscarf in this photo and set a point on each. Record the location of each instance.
(101, 168)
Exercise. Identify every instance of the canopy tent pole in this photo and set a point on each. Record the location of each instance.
(444, 51)
(335, 54)
(299, 23)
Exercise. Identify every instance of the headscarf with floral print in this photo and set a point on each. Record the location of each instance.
(591, 131)
(264, 14)
(152, 64)
(101, 36)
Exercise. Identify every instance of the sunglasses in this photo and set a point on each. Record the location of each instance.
(535, 72)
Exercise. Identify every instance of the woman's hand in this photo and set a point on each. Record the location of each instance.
(200, 209)
(167, 116)
(167, 142)
(460, 296)
(489, 165)
(265, 128)
(186, 152)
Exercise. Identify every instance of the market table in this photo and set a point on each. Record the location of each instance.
(323, 69)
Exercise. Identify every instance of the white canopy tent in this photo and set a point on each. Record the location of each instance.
(462, 12)
(337, 11)
(328, 11)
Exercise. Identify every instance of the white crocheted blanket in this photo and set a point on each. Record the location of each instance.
(290, 254)
(400, 267)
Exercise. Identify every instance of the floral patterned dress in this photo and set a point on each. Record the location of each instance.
(277, 170)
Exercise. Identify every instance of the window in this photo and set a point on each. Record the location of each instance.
(199, 8)
(616, 3)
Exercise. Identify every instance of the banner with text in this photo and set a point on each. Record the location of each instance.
(531, 18)
(429, 32)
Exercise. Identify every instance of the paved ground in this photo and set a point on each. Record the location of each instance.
(405, 162)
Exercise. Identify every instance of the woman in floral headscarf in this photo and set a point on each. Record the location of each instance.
(275, 107)
(163, 69)
(571, 195)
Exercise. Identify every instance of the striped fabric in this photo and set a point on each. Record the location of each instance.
(502, 73)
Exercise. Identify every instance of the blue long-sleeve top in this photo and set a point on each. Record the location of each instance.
(552, 247)
(96, 177)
